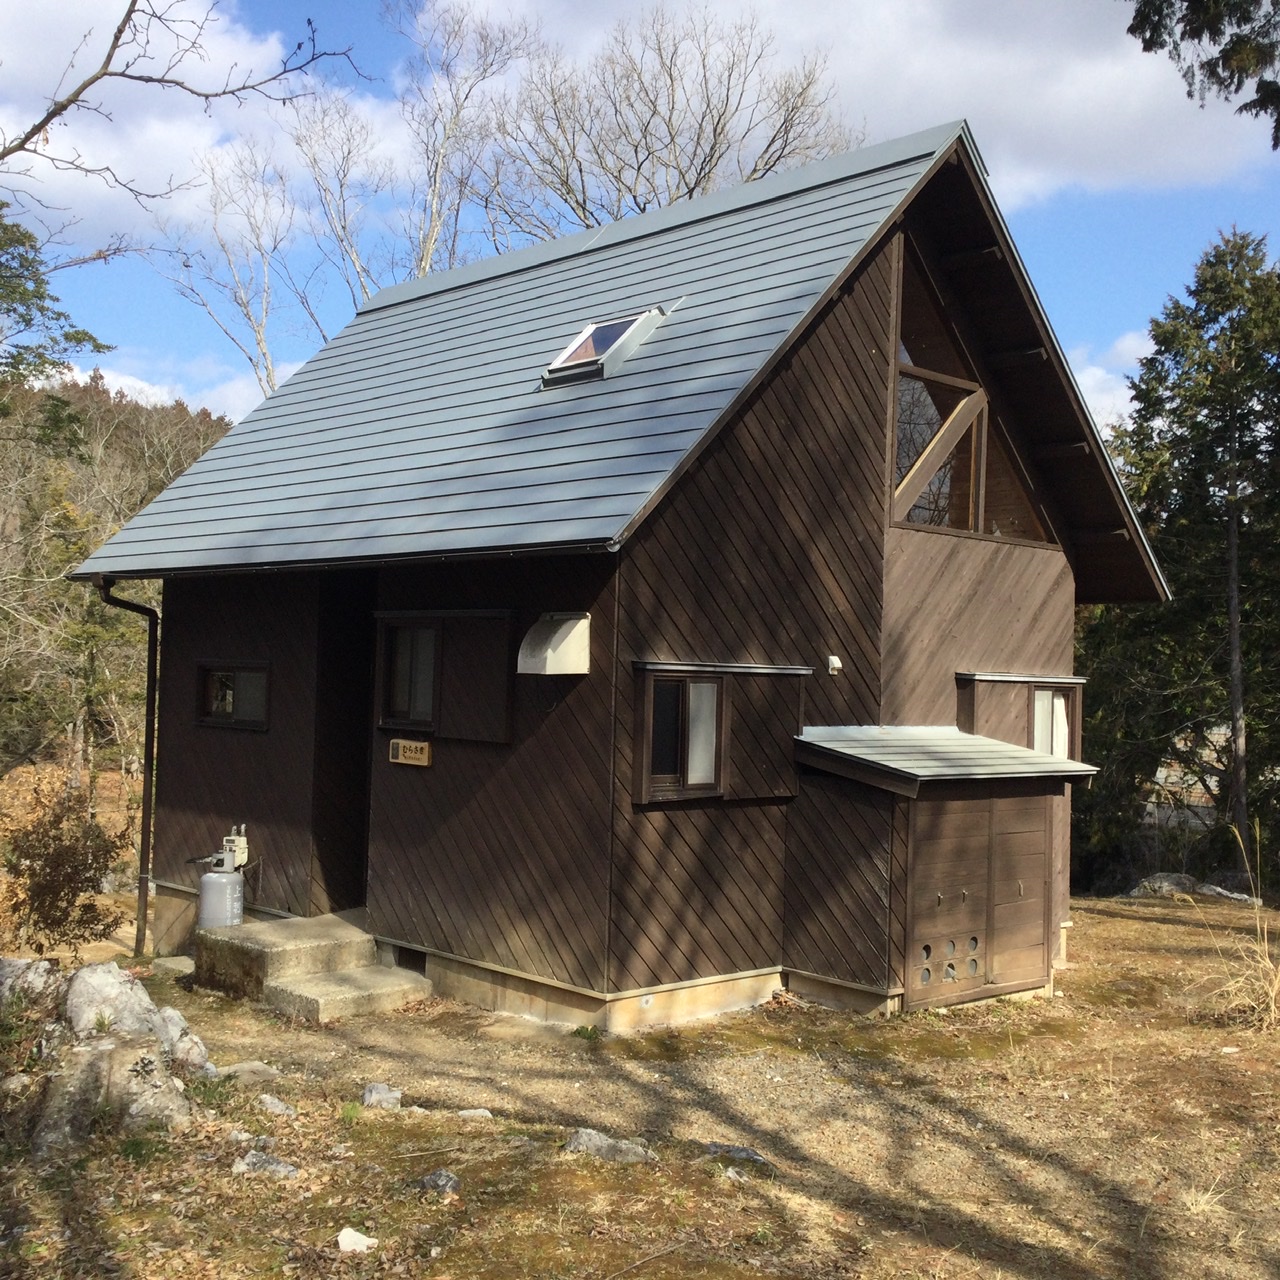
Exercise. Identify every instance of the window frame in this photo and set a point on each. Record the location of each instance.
(653, 788)
(205, 714)
(974, 413)
(1070, 690)
(640, 324)
(388, 628)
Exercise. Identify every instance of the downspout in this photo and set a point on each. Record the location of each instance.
(104, 585)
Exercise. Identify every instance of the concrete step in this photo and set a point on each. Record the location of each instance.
(322, 997)
(244, 959)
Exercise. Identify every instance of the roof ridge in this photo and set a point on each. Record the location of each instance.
(762, 191)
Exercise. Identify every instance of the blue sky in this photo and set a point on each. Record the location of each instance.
(1112, 182)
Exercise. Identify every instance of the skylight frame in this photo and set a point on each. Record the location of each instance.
(639, 326)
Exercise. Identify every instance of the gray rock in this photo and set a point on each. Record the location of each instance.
(14, 1086)
(726, 1151)
(381, 1095)
(33, 980)
(442, 1182)
(1216, 891)
(734, 1174)
(1164, 884)
(251, 1072)
(102, 998)
(118, 1079)
(476, 1113)
(618, 1150)
(269, 1102)
(261, 1162)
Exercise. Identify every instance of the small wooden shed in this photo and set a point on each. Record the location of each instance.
(633, 624)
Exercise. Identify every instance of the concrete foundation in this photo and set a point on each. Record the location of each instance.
(505, 992)
(840, 995)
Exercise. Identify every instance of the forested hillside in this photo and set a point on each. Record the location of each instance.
(76, 462)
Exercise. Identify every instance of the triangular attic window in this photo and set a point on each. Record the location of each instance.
(951, 471)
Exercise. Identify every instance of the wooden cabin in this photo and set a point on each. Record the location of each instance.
(638, 623)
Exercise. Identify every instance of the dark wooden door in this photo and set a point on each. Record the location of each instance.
(978, 892)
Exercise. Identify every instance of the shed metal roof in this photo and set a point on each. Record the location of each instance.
(900, 758)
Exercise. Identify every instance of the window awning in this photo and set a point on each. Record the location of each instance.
(899, 758)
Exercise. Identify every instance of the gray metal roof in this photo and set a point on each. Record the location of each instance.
(423, 428)
(900, 758)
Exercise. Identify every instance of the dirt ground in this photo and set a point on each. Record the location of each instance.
(1114, 1130)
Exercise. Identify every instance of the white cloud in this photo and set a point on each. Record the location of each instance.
(1103, 376)
(1058, 94)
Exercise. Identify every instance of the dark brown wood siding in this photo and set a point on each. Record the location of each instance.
(955, 603)
(209, 777)
(499, 852)
(843, 906)
(768, 550)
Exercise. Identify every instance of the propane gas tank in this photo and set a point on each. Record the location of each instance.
(221, 899)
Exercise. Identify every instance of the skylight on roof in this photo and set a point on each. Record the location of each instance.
(601, 347)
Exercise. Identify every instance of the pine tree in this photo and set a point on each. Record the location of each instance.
(1200, 456)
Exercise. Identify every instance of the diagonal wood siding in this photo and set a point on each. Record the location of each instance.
(499, 852)
(842, 906)
(954, 603)
(769, 550)
(209, 777)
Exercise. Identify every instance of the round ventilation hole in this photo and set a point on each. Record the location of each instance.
(973, 968)
(949, 973)
(973, 944)
(925, 976)
(926, 952)
(951, 946)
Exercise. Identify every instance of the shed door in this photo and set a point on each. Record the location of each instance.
(979, 893)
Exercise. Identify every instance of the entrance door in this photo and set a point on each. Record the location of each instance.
(340, 783)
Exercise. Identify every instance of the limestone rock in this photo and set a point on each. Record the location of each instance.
(351, 1241)
(270, 1103)
(617, 1150)
(33, 980)
(102, 998)
(381, 1095)
(122, 1079)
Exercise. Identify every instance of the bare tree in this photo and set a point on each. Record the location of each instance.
(459, 58)
(238, 274)
(502, 140)
(157, 43)
(672, 107)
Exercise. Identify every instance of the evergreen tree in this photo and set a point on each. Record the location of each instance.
(1195, 683)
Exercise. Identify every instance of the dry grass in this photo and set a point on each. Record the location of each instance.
(1100, 1134)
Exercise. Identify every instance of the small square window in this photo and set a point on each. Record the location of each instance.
(233, 695)
(412, 657)
(681, 738)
